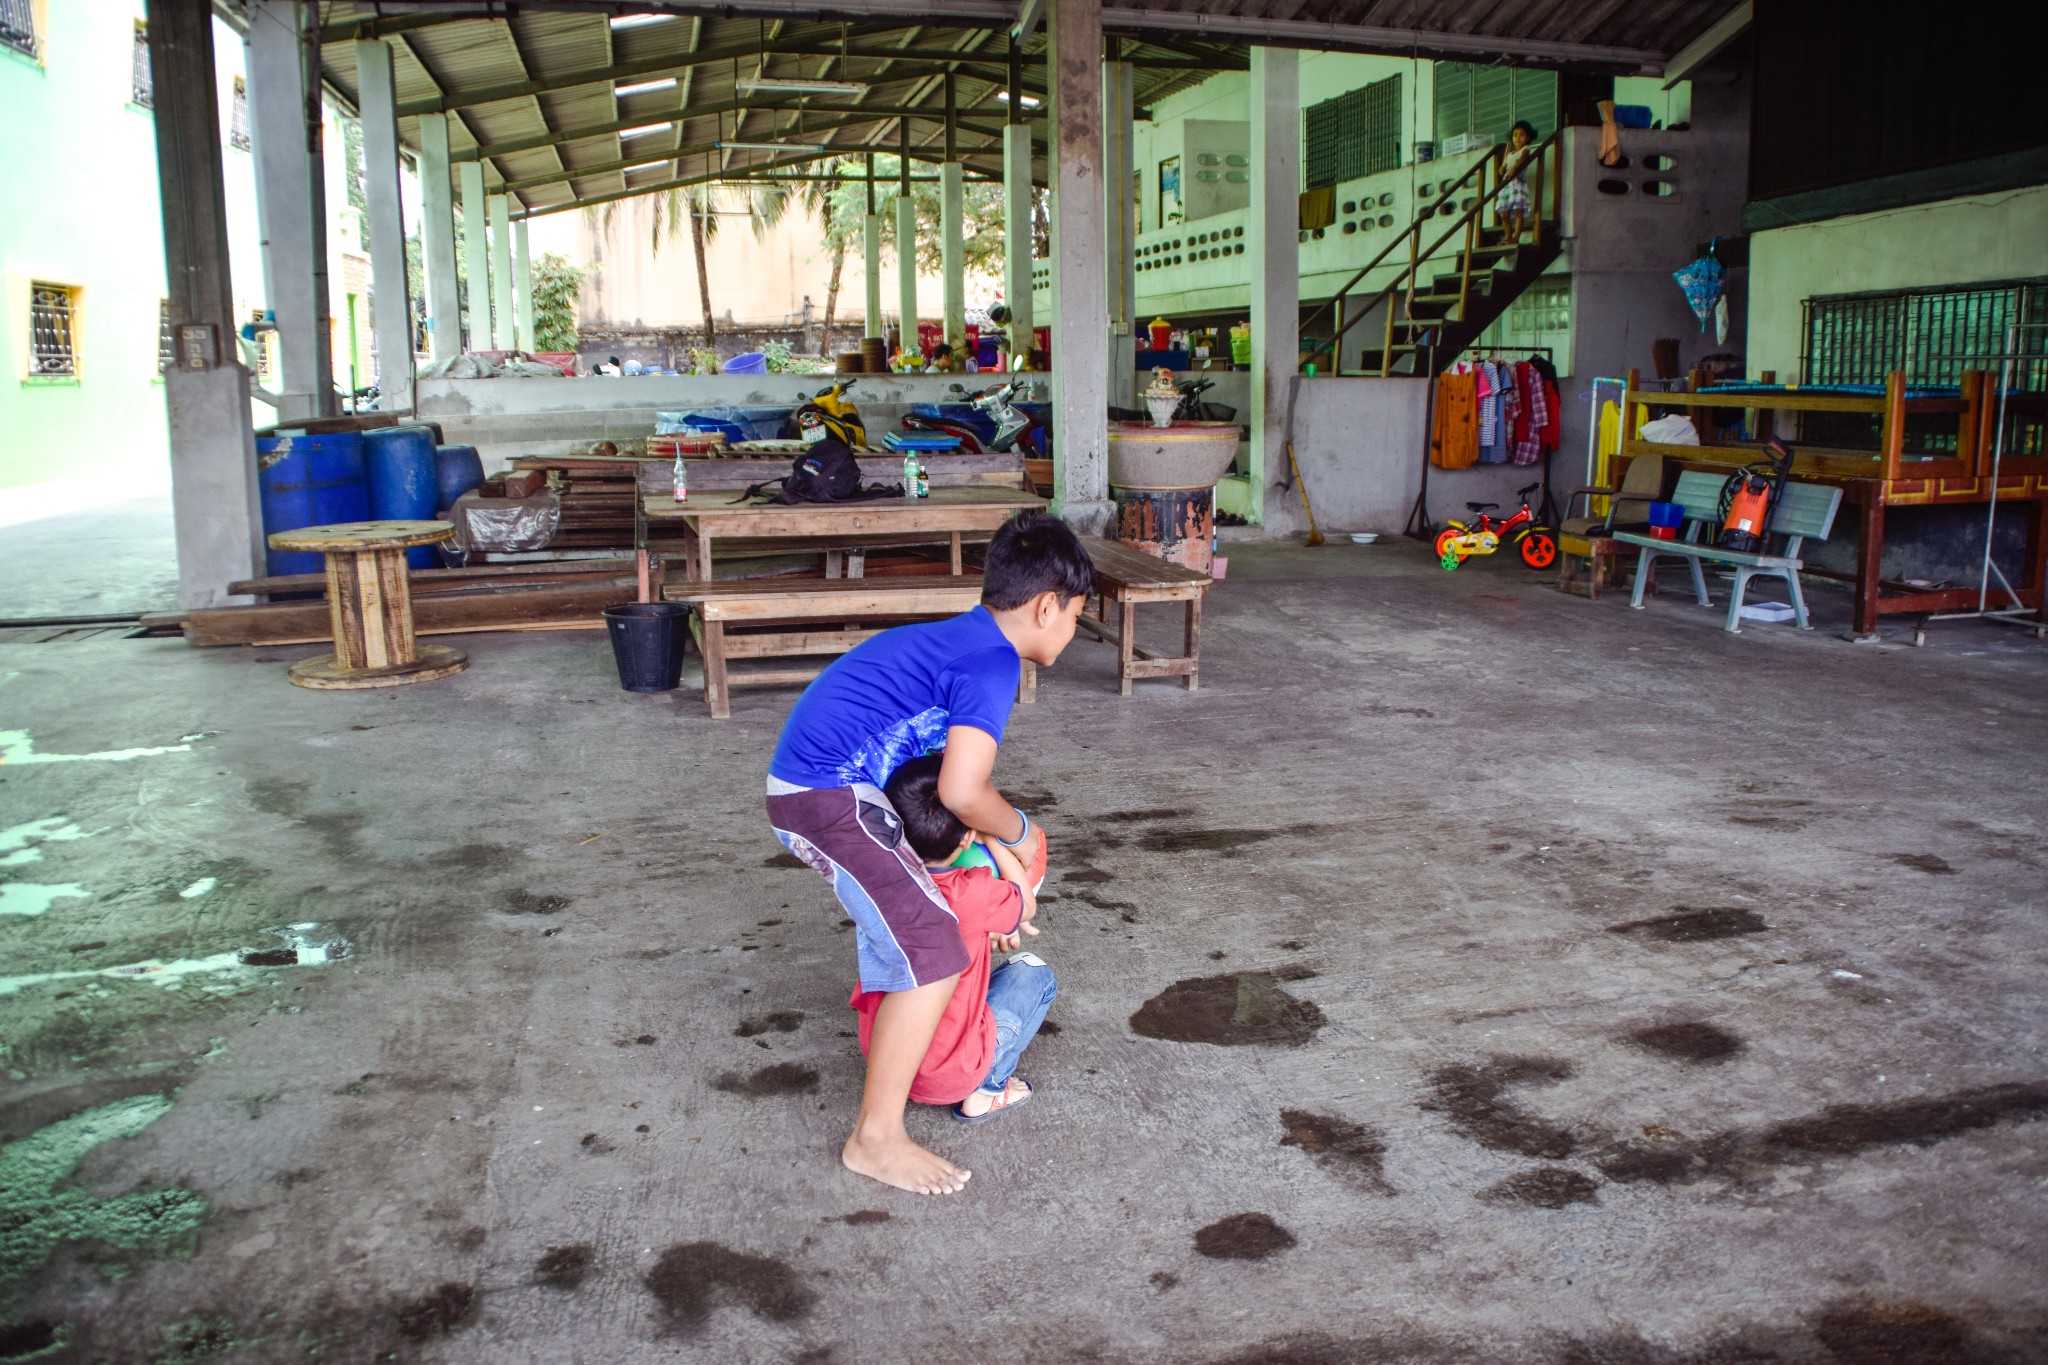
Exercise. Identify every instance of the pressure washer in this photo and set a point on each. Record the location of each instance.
(1747, 499)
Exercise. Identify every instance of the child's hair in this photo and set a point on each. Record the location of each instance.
(1034, 554)
(934, 831)
(1523, 125)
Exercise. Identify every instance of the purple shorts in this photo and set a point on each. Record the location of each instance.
(851, 836)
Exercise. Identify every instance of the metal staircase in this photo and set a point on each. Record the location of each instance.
(1439, 302)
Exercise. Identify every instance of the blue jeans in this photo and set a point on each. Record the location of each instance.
(1019, 993)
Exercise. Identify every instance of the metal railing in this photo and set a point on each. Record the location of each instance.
(1540, 165)
(18, 25)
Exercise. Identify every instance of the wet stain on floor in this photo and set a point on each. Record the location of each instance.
(1132, 817)
(1243, 1237)
(693, 1278)
(781, 1021)
(1696, 1042)
(1475, 1097)
(438, 1312)
(1903, 1334)
(860, 1217)
(1688, 925)
(1233, 1010)
(1924, 862)
(1546, 1187)
(1352, 1150)
(783, 1078)
(530, 903)
(782, 860)
(564, 1267)
(1208, 840)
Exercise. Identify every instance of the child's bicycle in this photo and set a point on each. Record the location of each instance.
(1459, 541)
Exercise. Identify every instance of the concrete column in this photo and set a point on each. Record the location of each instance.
(437, 240)
(1119, 153)
(1080, 304)
(476, 256)
(871, 257)
(1273, 238)
(387, 225)
(1017, 234)
(291, 207)
(522, 287)
(502, 333)
(906, 270)
(953, 251)
(340, 324)
(214, 502)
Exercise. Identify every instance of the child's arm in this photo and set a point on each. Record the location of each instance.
(965, 788)
(1012, 870)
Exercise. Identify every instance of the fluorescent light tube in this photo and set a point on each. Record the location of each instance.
(769, 146)
(644, 129)
(642, 87)
(1030, 101)
(643, 165)
(793, 85)
(639, 20)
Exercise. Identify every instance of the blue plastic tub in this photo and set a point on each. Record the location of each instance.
(309, 481)
(399, 463)
(983, 425)
(753, 362)
(457, 469)
(738, 424)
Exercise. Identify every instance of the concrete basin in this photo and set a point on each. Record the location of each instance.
(1184, 455)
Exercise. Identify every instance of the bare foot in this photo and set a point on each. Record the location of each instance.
(902, 1163)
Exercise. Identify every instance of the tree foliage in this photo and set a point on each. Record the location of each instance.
(557, 285)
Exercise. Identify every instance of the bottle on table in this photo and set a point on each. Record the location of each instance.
(682, 479)
(914, 485)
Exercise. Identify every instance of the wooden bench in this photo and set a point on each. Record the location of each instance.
(1802, 511)
(1126, 577)
(811, 617)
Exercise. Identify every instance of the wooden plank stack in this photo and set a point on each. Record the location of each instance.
(597, 497)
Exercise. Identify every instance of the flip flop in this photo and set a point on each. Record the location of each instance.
(1002, 1105)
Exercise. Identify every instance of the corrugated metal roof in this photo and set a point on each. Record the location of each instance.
(531, 85)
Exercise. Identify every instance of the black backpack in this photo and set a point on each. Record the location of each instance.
(826, 472)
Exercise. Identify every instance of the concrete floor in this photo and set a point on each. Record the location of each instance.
(120, 557)
(1579, 986)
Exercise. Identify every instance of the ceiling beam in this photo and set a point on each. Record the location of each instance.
(535, 143)
(1708, 45)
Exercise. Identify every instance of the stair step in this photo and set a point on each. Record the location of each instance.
(1482, 283)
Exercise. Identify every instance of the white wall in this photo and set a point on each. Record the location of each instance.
(1970, 240)
(1359, 443)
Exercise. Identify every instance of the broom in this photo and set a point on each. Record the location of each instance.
(1315, 535)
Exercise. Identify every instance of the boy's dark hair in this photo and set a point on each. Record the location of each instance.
(934, 831)
(1032, 554)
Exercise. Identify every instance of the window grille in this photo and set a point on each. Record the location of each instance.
(142, 82)
(166, 342)
(1355, 134)
(1487, 100)
(50, 315)
(238, 117)
(1931, 334)
(18, 25)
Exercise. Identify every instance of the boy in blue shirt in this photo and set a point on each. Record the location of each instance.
(937, 686)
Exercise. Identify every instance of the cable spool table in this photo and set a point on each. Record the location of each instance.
(369, 603)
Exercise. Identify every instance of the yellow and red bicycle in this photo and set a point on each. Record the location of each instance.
(1459, 540)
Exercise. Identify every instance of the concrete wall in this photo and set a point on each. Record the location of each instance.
(504, 418)
(91, 221)
(1955, 241)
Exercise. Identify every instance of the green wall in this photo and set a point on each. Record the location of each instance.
(78, 206)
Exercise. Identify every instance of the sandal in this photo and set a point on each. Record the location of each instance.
(1003, 1104)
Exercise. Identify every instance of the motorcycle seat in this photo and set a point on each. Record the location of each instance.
(1481, 506)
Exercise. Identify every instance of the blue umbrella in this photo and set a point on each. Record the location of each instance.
(1701, 282)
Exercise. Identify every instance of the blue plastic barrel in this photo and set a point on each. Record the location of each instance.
(309, 481)
(399, 465)
(457, 469)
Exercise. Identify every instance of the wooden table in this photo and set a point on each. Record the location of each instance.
(707, 517)
(1126, 577)
(369, 606)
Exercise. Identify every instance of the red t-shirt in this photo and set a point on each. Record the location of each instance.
(964, 1047)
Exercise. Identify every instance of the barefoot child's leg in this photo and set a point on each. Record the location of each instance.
(880, 1147)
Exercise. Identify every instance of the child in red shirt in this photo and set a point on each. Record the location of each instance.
(995, 1010)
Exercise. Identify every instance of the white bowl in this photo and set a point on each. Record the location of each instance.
(1364, 537)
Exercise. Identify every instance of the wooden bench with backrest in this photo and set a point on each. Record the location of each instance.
(848, 559)
(771, 618)
(1802, 512)
(1126, 577)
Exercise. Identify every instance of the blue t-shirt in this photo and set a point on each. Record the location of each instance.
(892, 698)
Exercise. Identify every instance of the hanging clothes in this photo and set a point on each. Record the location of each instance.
(1453, 438)
(1534, 416)
(1513, 418)
(1546, 382)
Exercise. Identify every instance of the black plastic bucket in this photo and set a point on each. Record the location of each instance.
(647, 642)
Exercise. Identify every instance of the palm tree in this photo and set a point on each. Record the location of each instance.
(701, 206)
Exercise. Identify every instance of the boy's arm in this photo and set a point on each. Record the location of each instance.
(966, 790)
(1012, 870)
